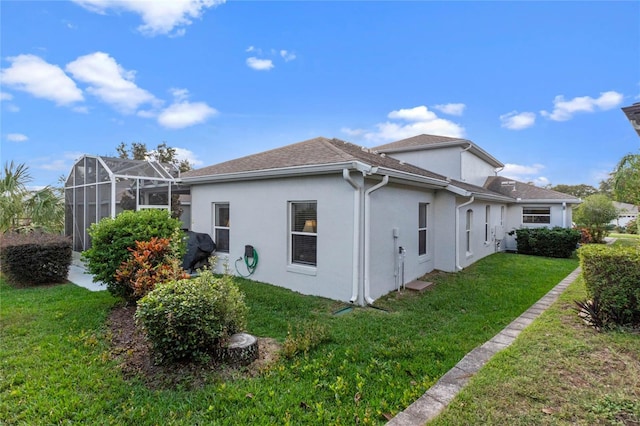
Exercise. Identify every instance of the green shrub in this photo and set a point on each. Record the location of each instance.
(304, 338)
(111, 240)
(554, 242)
(150, 263)
(612, 278)
(35, 258)
(190, 319)
(632, 227)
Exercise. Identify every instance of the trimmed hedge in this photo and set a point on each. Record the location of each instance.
(190, 319)
(35, 258)
(554, 242)
(612, 279)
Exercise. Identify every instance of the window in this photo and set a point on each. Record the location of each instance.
(487, 222)
(468, 230)
(221, 227)
(304, 236)
(536, 215)
(422, 228)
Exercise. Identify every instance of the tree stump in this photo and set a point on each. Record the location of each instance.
(242, 349)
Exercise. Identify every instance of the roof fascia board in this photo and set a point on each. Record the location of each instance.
(548, 201)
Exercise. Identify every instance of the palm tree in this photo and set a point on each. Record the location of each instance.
(13, 190)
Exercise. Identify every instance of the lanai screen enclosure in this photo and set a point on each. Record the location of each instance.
(99, 187)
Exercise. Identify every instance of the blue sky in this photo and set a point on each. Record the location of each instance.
(539, 85)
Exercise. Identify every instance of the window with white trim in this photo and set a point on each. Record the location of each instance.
(221, 227)
(423, 210)
(487, 223)
(303, 232)
(469, 224)
(536, 215)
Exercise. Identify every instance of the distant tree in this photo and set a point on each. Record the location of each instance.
(580, 191)
(605, 186)
(163, 154)
(595, 213)
(626, 179)
(45, 209)
(13, 192)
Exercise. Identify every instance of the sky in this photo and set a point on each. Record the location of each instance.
(538, 85)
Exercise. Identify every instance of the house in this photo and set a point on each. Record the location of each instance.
(626, 213)
(330, 218)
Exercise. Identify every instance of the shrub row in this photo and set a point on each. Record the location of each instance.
(554, 242)
(35, 258)
(612, 279)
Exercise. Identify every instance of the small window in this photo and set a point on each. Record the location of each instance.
(536, 215)
(468, 230)
(501, 215)
(487, 224)
(221, 227)
(304, 233)
(422, 228)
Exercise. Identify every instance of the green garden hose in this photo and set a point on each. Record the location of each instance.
(251, 264)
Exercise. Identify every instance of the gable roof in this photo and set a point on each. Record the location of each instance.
(524, 192)
(424, 142)
(313, 152)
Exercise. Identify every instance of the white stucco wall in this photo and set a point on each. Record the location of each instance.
(259, 216)
(514, 219)
(394, 206)
(475, 170)
(480, 246)
(444, 161)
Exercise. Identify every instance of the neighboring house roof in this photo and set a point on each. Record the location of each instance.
(626, 208)
(633, 115)
(525, 192)
(423, 142)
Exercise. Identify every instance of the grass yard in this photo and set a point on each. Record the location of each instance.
(558, 372)
(57, 368)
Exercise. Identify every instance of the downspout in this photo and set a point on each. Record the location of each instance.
(564, 214)
(367, 236)
(356, 233)
(458, 266)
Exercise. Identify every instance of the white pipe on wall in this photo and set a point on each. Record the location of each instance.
(367, 237)
(356, 233)
(458, 266)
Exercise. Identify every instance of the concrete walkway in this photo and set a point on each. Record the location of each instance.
(80, 277)
(429, 405)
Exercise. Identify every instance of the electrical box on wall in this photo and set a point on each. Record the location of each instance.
(396, 233)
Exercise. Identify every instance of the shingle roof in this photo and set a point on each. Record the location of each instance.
(524, 191)
(315, 151)
(420, 141)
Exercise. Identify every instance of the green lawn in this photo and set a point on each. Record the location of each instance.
(558, 372)
(56, 367)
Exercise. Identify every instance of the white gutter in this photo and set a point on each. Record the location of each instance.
(356, 234)
(471, 200)
(367, 237)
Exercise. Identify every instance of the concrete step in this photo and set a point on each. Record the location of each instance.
(418, 285)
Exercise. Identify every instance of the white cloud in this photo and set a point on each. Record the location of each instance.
(353, 132)
(185, 114)
(451, 109)
(515, 120)
(564, 110)
(259, 64)
(109, 82)
(31, 74)
(524, 173)
(158, 17)
(12, 108)
(179, 94)
(17, 137)
(410, 122)
(185, 154)
(4, 96)
(58, 164)
(287, 56)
